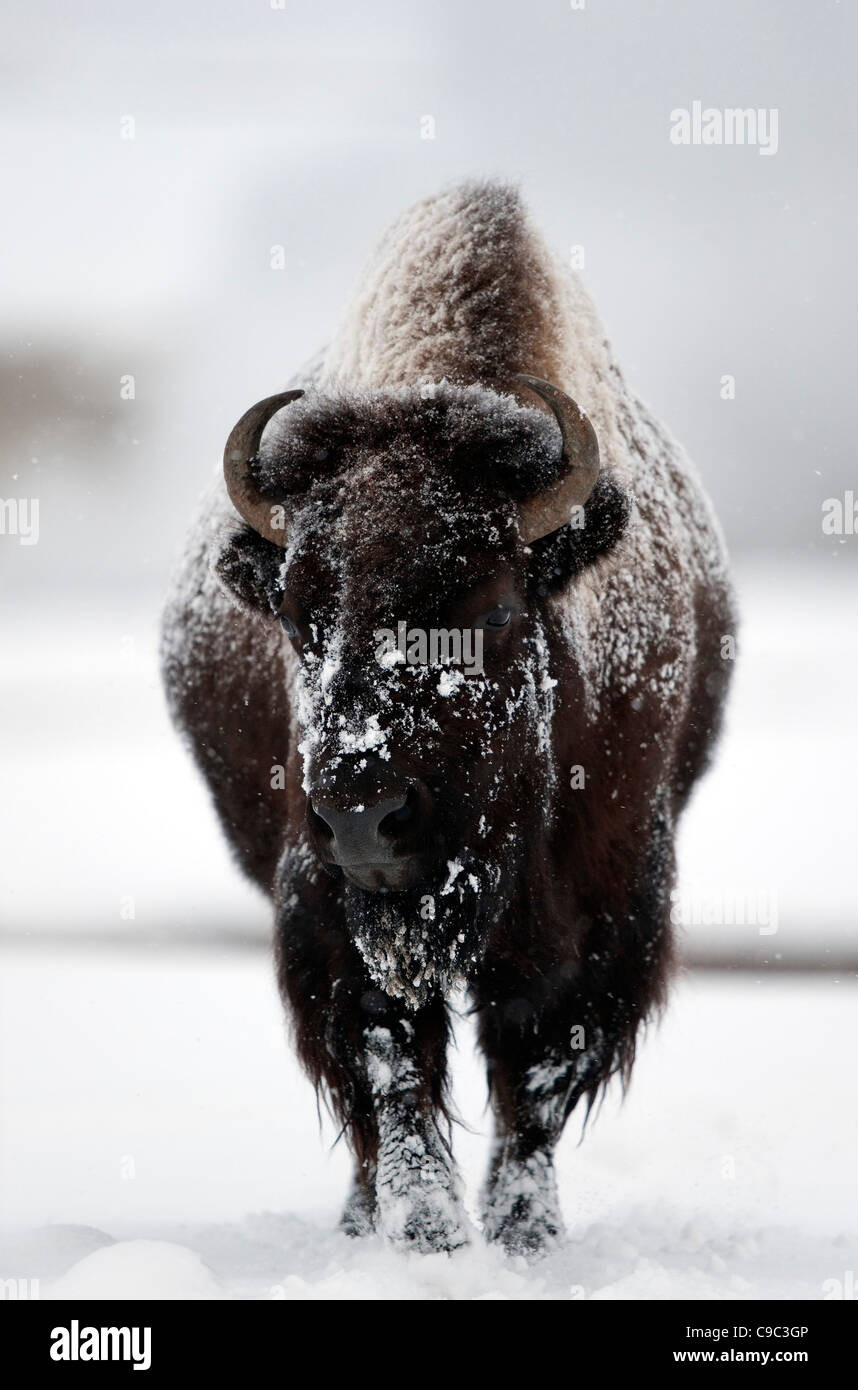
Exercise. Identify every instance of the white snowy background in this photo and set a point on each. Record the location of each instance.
(156, 1136)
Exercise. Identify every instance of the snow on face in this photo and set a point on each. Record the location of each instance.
(394, 538)
(355, 709)
(394, 534)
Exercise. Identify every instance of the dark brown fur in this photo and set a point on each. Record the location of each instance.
(402, 504)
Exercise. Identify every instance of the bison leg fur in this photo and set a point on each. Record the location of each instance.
(556, 1029)
(418, 1191)
(383, 1072)
(532, 1081)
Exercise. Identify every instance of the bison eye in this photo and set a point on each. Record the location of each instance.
(288, 626)
(499, 617)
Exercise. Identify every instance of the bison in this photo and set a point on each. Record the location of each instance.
(465, 458)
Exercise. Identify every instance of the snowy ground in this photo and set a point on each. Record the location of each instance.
(163, 1105)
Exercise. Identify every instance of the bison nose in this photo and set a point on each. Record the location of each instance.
(366, 834)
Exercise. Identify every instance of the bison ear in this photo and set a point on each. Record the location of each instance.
(247, 566)
(592, 533)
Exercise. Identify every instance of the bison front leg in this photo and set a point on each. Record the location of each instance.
(417, 1188)
(558, 1018)
(532, 1081)
(382, 1068)
(359, 1213)
(551, 1038)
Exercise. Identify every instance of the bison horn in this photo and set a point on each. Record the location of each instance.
(241, 449)
(552, 508)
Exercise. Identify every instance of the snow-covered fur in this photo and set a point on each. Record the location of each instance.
(534, 854)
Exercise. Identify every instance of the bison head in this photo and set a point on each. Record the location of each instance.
(406, 541)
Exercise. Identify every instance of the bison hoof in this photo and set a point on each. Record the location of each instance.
(419, 1204)
(522, 1210)
(417, 1188)
(429, 1223)
(358, 1218)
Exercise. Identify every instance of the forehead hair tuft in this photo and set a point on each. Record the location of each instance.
(477, 436)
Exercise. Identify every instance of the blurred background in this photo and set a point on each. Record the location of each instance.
(191, 190)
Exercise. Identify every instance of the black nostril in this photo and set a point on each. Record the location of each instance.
(395, 821)
(362, 832)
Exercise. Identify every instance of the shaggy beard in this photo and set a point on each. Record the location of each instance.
(412, 954)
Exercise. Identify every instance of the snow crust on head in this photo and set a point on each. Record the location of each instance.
(463, 287)
(470, 432)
